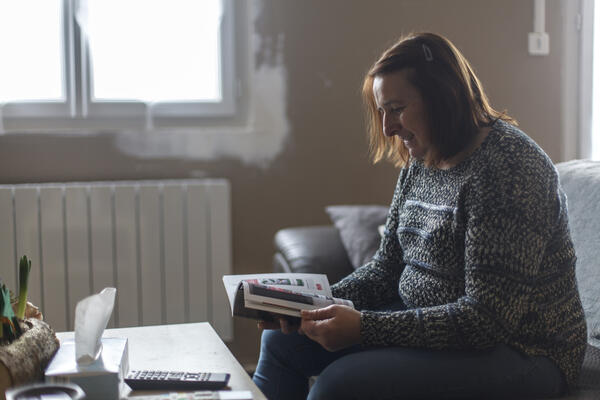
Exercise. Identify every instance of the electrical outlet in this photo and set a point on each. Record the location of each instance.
(539, 43)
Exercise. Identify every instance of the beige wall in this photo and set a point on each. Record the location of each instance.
(328, 45)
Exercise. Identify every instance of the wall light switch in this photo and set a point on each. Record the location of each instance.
(539, 43)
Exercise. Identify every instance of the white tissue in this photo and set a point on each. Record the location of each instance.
(91, 317)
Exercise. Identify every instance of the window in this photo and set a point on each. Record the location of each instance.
(595, 129)
(115, 63)
(587, 72)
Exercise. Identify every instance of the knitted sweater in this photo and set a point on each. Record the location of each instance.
(480, 254)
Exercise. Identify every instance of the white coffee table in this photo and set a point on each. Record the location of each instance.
(181, 347)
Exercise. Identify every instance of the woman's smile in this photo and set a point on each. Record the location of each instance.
(408, 139)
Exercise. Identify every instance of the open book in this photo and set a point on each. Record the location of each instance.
(259, 296)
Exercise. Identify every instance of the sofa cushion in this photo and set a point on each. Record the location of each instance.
(589, 379)
(580, 180)
(358, 227)
(312, 249)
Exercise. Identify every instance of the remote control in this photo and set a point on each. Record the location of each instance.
(176, 380)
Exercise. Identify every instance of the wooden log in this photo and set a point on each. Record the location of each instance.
(25, 359)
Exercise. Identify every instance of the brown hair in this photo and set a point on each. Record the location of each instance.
(456, 104)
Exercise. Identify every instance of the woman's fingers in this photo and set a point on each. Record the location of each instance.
(319, 314)
(334, 327)
(268, 324)
(285, 324)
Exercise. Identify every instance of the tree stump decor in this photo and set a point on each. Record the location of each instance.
(27, 343)
(24, 360)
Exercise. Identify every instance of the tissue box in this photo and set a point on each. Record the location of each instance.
(101, 380)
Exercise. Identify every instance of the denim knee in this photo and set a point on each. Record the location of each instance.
(284, 360)
(334, 383)
(294, 351)
(272, 342)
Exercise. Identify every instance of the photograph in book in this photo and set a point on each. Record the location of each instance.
(262, 296)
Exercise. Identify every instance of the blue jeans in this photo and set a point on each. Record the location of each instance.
(287, 361)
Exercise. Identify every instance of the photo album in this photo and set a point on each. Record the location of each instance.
(263, 296)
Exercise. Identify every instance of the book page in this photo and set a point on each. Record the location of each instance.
(284, 301)
(308, 283)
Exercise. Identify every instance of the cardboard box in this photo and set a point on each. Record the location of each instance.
(101, 380)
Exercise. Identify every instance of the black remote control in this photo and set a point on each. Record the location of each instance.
(176, 380)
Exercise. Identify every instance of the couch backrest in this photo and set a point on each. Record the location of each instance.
(580, 180)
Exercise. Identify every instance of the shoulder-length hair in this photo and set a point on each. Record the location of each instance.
(456, 105)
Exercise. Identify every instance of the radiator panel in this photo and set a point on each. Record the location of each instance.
(52, 247)
(102, 266)
(163, 244)
(174, 247)
(220, 253)
(127, 313)
(7, 239)
(27, 237)
(198, 283)
(77, 248)
(150, 256)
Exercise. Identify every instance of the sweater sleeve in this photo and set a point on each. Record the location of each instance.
(376, 283)
(507, 212)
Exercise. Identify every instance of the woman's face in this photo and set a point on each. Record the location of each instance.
(402, 112)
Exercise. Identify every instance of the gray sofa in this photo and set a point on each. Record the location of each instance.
(337, 249)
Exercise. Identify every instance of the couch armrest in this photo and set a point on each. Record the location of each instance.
(311, 249)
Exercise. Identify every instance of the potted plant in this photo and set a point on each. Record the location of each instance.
(27, 343)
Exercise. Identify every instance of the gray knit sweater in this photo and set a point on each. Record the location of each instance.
(480, 254)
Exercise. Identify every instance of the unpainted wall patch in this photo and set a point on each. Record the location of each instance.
(257, 143)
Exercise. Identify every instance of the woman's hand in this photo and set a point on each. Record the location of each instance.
(334, 327)
(282, 323)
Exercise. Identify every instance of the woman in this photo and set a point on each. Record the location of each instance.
(472, 292)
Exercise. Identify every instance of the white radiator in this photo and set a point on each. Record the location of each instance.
(163, 244)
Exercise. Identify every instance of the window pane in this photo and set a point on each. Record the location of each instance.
(155, 50)
(31, 48)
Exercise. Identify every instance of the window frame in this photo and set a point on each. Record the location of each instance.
(586, 77)
(79, 111)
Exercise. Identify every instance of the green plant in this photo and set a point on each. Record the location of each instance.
(9, 322)
(24, 268)
(9, 327)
